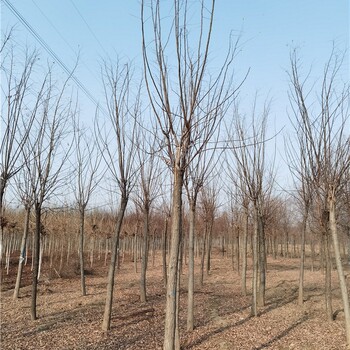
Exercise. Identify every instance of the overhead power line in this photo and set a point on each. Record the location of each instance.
(89, 28)
(47, 48)
(54, 27)
(61, 36)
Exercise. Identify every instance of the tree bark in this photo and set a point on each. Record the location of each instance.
(255, 243)
(190, 306)
(114, 254)
(204, 244)
(244, 253)
(178, 282)
(312, 244)
(143, 294)
(164, 249)
(302, 260)
(236, 245)
(342, 281)
(2, 215)
(261, 261)
(36, 256)
(209, 243)
(170, 309)
(81, 251)
(328, 277)
(348, 245)
(22, 254)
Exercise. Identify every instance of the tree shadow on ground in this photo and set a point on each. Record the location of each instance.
(275, 266)
(272, 305)
(282, 334)
(115, 343)
(278, 302)
(132, 318)
(209, 334)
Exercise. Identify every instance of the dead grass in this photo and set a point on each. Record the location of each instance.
(222, 315)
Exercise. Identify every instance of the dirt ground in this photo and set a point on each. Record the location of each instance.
(222, 316)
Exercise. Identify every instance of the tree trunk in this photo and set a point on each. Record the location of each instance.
(328, 277)
(135, 248)
(164, 248)
(302, 260)
(2, 214)
(190, 306)
(342, 281)
(114, 254)
(261, 262)
(244, 253)
(348, 245)
(170, 309)
(22, 254)
(36, 256)
(274, 245)
(322, 253)
(61, 257)
(223, 246)
(178, 282)
(106, 251)
(312, 244)
(209, 243)
(92, 247)
(255, 243)
(41, 257)
(236, 245)
(81, 251)
(8, 253)
(203, 254)
(286, 251)
(143, 296)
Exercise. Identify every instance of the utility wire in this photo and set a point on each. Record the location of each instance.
(88, 26)
(54, 27)
(61, 36)
(47, 48)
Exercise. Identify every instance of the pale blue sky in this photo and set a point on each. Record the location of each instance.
(269, 29)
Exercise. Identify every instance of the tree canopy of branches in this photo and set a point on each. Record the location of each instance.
(16, 118)
(325, 147)
(87, 175)
(247, 163)
(46, 155)
(118, 146)
(188, 103)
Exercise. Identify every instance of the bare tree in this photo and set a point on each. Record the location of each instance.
(241, 198)
(247, 152)
(118, 146)
(326, 144)
(177, 80)
(344, 215)
(196, 174)
(16, 118)
(87, 174)
(46, 154)
(209, 208)
(148, 191)
(166, 213)
(6, 37)
(299, 166)
(23, 188)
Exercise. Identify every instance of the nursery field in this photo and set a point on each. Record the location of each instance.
(222, 315)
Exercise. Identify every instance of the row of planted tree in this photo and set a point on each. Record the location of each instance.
(60, 239)
(178, 136)
(60, 242)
